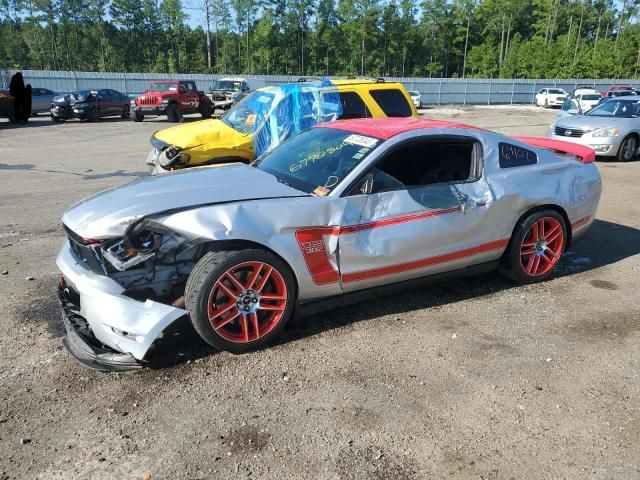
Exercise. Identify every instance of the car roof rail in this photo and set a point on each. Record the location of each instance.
(365, 77)
(309, 79)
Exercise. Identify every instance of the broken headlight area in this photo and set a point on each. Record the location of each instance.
(172, 157)
(139, 245)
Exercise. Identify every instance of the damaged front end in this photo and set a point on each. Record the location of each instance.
(118, 295)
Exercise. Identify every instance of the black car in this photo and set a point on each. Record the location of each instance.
(90, 105)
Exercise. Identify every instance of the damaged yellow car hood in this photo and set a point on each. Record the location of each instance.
(209, 141)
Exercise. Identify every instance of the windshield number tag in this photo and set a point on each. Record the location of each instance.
(361, 140)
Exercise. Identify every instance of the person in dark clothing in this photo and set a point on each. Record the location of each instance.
(21, 98)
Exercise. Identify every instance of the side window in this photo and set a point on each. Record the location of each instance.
(36, 92)
(192, 87)
(353, 106)
(392, 102)
(182, 88)
(427, 162)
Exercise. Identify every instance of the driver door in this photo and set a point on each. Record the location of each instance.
(414, 218)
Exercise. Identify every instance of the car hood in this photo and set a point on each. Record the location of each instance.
(109, 213)
(208, 140)
(587, 122)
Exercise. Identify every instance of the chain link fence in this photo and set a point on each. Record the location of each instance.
(433, 91)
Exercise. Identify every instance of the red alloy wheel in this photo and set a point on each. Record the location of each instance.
(542, 246)
(247, 302)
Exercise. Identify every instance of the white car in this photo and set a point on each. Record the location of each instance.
(588, 100)
(551, 97)
(415, 98)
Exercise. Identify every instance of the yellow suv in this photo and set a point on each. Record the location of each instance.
(232, 138)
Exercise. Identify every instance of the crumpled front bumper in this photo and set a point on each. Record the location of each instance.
(115, 324)
(153, 162)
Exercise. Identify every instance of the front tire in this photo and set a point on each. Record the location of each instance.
(205, 110)
(240, 300)
(137, 116)
(174, 115)
(94, 115)
(535, 248)
(628, 148)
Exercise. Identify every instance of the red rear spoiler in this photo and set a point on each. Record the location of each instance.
(585, 154)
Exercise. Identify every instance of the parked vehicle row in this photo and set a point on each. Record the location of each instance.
(268, 115)
(611, 128)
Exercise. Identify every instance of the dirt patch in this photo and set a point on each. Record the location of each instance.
(247, 439)
(42, 305)
(604, 284)
(373, 464)
(605, 327)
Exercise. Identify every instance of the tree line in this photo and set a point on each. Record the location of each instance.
(429, 38)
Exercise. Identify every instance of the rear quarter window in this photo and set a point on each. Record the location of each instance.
(392, 102)
(510, 156)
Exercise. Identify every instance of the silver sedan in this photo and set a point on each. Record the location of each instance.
(612, 128)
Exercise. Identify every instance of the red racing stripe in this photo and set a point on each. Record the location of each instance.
(425, 262)
(394, 221)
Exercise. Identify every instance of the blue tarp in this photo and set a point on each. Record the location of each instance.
(301, 106)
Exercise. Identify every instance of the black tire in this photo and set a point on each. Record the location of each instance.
(94, 115)
(56, 119)
(203, 281)
(174, 114)
(126, 111)
(205, 110)
(512, 264)
(137, 116)
(628, 149)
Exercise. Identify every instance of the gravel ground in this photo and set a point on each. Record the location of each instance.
(475, 379)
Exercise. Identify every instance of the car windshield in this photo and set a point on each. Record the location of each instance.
(317, 160)
(556, 91)
(228, 85)
(242, 116)
(163, 87)
(616, 108)
(591, 97)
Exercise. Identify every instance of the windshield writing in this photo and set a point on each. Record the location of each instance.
(318, 159)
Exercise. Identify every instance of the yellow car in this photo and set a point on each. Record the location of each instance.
(232, 138)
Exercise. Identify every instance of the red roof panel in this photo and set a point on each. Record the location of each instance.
(385, 128)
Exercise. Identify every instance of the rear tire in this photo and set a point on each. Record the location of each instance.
(535, 248)
(126, 112)
(240, 300)
(628, 148)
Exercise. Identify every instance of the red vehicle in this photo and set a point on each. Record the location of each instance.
(617, 86)
(173, 98)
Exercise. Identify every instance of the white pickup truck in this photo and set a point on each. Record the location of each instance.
(229, 90)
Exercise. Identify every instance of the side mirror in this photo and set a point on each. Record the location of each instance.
(366, 186)
(573, 111)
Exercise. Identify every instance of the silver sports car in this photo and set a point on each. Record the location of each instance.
(342, 207)
(612, 128)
